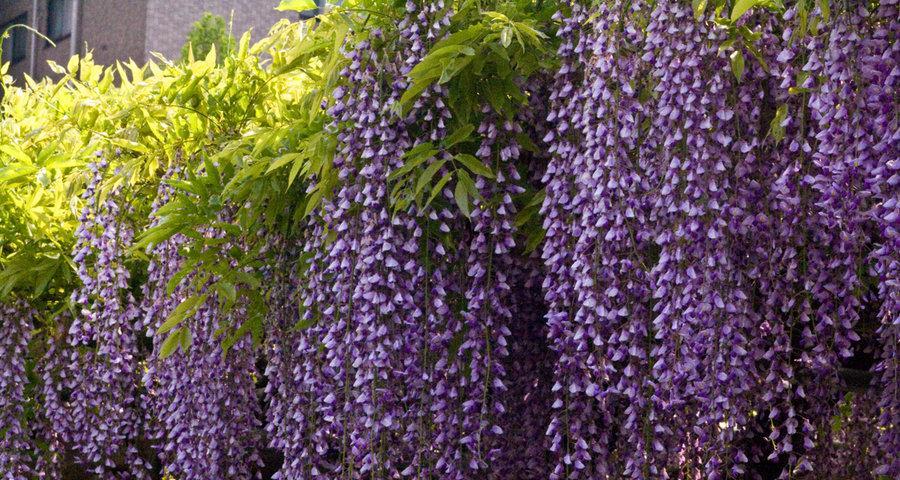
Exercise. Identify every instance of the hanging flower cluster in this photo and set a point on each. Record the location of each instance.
(202, 405)
(529, 376)
(90, 389)
(343, 383)
(691, 308)
(716, 265)
(15, 441)
(351, 401)
(399, 361)
(284, 410)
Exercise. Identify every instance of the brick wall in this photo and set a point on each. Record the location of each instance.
(111, 29)
(169, 21)
(9, 10)
(122, 29)
(114, 29)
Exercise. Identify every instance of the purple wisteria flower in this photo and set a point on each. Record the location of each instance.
(90, 385)
(203, 413)
(16, 443)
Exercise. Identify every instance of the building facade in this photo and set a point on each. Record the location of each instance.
(168, 21)
(116, 29)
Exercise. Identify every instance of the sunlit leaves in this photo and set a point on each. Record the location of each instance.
(699, 7)
(742, 6)
(296, 5)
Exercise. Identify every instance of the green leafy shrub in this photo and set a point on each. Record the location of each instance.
(208, 32)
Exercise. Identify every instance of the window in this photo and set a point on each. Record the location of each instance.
(15, 47)
(59, 19)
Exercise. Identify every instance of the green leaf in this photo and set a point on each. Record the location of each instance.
(755, 52)
(296, 5)
(525, 143)
(526, 214)
(699, 8)
(256, 327)
(537, 199)
(453, 68)
(415, 157)
(737, 64)
(534, 239)
(178, 277)
(295, 169)
(429, 67)
(158, 234)
(186, 339)
(48, 272)
(741, 7)
(246, 278)
(304, 324)
(283, 160)
(441, 63)
(412, 162)
(419, 151)
(182, 311)
(825, 8)
(413, 92)
(211, 171)
(427, 175)
(461, 195)
(475, 165)
(187, 186)
(748, 35)
(438, 187)
(468, 35)
(460, 134)
(170, 344)
(776, 129)
(313, 200)
(227, 290)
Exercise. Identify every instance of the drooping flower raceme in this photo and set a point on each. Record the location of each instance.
(202, 406)
(399, 356)
(686, 212)
(91, 395)
(15, 442)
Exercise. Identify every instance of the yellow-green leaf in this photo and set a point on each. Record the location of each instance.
(296, 5)
(825, 8)
(699, 8)
(776, 128)
(17, 153)
(506, 37)
(170, 344)
(741, 7)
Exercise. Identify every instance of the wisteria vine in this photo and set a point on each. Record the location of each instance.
(669, 251)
